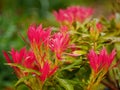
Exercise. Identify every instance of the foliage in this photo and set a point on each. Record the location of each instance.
(70, 56)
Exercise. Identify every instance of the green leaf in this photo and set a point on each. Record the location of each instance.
(64, 83)
(22, 80)
(79, 52)
(76, 62)
(23, 68)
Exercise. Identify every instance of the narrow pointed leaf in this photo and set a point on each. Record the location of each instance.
(73, 65)
(23, 68)
(22, 80)
(64, 83)
(79, 52)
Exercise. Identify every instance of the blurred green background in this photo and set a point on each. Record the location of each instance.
(17, 15)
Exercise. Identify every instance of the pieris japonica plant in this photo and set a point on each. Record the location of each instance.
(77, 56)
